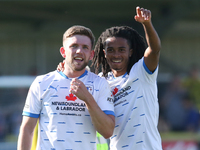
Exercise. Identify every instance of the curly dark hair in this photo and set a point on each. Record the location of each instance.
(135, 41)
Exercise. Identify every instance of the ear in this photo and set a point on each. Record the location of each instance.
(130, 52)
(91, 54)
(62, 52)
(104, 51)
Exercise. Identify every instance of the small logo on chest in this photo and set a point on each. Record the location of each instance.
(71, 97)
(115, 91)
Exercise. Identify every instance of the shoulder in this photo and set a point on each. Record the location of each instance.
(140, 65)
(94, 76)
(46, 77)
(140, 71)
(97, 78)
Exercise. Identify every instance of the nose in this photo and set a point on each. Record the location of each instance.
(79, 50)
(116, 54)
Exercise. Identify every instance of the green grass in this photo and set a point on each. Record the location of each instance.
(186, 136)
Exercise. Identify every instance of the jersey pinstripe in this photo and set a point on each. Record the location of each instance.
(136, 109)
(65, 122)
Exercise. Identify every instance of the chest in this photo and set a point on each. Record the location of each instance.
(57, 100)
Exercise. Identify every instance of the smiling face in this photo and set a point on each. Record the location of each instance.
(117, 52)
(77, 51)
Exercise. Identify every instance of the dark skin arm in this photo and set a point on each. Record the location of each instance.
(152, 53)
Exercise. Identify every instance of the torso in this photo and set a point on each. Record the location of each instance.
(136, 110)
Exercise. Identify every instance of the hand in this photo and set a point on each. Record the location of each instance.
(60, 66)
(79, 89)
(143, 15)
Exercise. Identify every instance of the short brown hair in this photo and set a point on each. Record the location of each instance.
(79, 30)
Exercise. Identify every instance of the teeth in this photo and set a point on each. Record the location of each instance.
(78, 58)
(116, 61)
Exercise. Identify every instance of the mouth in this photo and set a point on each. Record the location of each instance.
(116, 61)
(78, 58)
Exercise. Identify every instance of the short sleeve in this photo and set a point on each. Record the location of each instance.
(140, 70)
(105, 98)
(33, 102)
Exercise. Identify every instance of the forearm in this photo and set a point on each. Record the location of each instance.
(152, 37)
(152, 53)
(103, 123)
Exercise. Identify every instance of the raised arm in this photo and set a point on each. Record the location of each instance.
(152, 53)
(26, 133)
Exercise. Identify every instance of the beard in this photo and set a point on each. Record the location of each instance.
(77, 66)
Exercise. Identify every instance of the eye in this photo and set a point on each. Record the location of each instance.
(85, 47)
(74, 46)
(122, 50)
(109, 50)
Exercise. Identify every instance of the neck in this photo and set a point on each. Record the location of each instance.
(70, 73)
(117, 73)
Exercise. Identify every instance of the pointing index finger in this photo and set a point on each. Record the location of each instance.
(138, 11)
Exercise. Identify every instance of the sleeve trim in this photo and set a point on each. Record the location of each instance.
(108, 112)
(147, 69)
(30, 114)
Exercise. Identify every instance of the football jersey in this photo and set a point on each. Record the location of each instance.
(136, 109)
(65, 122)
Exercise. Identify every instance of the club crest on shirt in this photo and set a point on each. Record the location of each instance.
(90, 88)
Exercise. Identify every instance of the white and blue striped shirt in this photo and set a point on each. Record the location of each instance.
(65, 122)
(136, 109)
